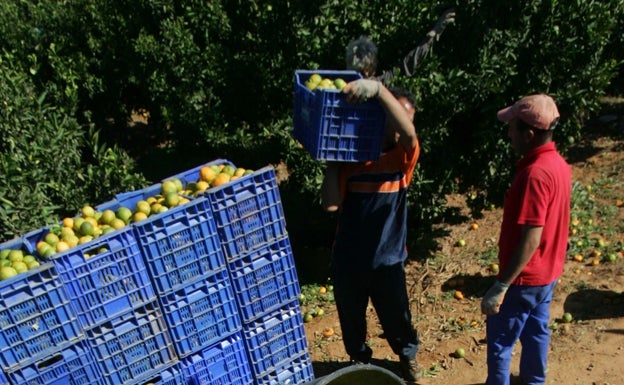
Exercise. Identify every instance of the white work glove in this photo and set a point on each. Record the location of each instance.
(492, 300)
(361, 90)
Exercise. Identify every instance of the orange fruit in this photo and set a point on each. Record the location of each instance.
(221, 179)
(51, 239)
(139, 216)
(62, 246)
(172, 199)
(143, 206)
(107, 216)
(124, 214)
(207, 174)
(87, 228)
(459, 294)
(202, 185)
(77, 223)
(315, 78)
(230, 170)
(178, 183)
(168, 186)
(68, 222)
(15, 256)
(93, 222)
(7, 272)
(328, 332)
(71, 240)
(87, 211)
(117, 223)
(66, 232)
(85, 239)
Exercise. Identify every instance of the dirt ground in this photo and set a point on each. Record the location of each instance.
(587, 351)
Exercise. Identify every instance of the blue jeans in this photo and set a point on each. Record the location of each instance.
(524, 316)
(386, 288)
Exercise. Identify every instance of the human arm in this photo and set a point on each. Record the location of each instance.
(529, 241)
(400, 116)
(330, 188)
(412, 60)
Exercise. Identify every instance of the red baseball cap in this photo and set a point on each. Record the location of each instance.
(539, 111)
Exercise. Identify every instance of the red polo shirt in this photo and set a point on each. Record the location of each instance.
(539, 196)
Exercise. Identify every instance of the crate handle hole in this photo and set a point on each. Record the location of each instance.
(51, 361)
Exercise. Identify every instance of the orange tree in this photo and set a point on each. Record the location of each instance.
(215, 80)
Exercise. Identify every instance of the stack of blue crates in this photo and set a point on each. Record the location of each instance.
(252, 231)
(41, 339)
(110, 289)
(203, 293)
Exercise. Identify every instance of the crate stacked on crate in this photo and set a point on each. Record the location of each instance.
(41, 339)
(329, 127)
(185, 261)
(110, 287)
(222, 363)
(251, 227)
(132, 346)
(277, 347)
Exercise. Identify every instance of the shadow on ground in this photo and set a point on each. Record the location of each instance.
(470, 285)
(590, 304)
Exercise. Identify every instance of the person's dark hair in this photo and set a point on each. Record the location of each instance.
(400, 92)
(542, 134)
(361, 55)
(524, 126)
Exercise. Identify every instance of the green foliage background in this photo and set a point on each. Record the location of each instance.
(216, 80)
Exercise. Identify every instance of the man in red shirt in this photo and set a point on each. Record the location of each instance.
(532, 244)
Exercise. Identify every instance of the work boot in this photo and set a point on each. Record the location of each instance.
(410, 371)
(362, 357)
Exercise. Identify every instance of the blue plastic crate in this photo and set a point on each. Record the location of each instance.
(130, 198)
(132, 346)
(104, 277)
(71, 365)
(264, 279)
(298, 371)
(202, 313)
(3, 379)
(222, 363)
(274, 339)
(180, 245)
(330, 128)
(248, 212)
(172, 375)
(35, 313)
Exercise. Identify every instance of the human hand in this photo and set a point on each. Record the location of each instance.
(492, 300)
(447, 17)
(361, 90)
